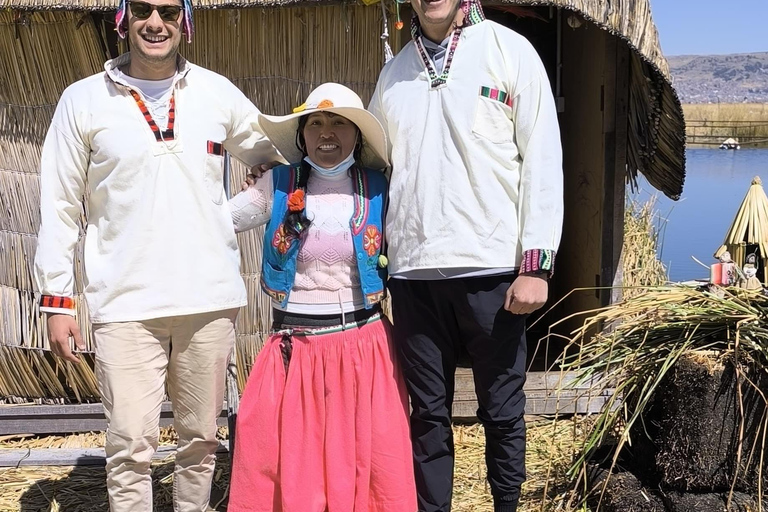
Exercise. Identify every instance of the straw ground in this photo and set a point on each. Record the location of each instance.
(58, 489)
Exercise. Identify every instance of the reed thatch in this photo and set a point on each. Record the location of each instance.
(749, 228)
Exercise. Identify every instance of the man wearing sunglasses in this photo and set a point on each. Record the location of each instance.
(474, 220)
(144, 143)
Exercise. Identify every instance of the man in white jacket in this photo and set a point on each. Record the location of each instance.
(474, 220)
(143, 142)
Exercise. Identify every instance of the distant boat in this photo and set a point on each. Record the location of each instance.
(730, 144)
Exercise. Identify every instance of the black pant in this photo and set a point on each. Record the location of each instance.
(432, 321)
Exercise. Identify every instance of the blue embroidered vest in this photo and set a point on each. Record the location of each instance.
(281, 250)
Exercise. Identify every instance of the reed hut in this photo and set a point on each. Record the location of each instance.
(749, 232)
(619, 117)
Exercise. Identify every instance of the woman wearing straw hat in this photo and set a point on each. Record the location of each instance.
(323, 423)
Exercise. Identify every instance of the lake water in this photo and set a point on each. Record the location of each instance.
(715, 185)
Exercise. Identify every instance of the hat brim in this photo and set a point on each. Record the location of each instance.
(281, 131)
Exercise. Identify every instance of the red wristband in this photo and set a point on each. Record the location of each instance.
(51, 301)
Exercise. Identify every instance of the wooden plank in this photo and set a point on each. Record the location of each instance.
(581, 126)
(615, 133)
(544, 396)
(59, 419)
(74, 456)
(607, 267)
(467, 410)
(535, 381)
(58, 409)
(620, 164)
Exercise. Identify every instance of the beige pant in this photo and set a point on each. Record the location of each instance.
(133, 361)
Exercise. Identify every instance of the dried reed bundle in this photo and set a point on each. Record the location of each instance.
(45, 54)
(656, 118)
(338, 43)
(630, 19)
(640, 264)
(651, 333)
(710, 124)
(50, 50)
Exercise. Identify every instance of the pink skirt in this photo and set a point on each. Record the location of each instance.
(333, 435)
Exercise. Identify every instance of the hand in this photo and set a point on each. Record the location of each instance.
(257, 171)
(526, 294)
(60, 328)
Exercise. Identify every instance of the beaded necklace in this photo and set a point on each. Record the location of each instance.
(473, 14)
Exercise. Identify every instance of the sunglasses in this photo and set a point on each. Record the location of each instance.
(143, 10)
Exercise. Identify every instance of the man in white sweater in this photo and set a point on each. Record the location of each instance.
(143, 142)
(475, 217)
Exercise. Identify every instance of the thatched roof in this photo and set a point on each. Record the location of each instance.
(657, 129)
(750, 226)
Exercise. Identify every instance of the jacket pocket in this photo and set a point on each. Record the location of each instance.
(214, 177)
(275, 281)
(493, 121)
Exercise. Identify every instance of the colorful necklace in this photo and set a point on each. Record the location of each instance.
(473, 14)
(159, 135)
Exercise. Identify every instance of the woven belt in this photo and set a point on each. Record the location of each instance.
(317, 331)
(362, 317)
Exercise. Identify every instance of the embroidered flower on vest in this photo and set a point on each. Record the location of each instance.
(296, 200)
(281, 241)
(371, 239)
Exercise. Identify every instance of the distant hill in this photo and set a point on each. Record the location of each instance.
(734, 78)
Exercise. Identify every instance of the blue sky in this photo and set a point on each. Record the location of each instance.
(702, 27)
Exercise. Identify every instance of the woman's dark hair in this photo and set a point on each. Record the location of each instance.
(296, 223)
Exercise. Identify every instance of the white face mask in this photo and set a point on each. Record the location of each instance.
(341, 167)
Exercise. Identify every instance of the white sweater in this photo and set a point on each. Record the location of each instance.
(475, 182)
(327, 279)
(159, 238)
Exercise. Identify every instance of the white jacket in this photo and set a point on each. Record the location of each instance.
(477, 182)
(159, 237)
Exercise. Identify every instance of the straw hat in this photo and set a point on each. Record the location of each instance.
(329, 97)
